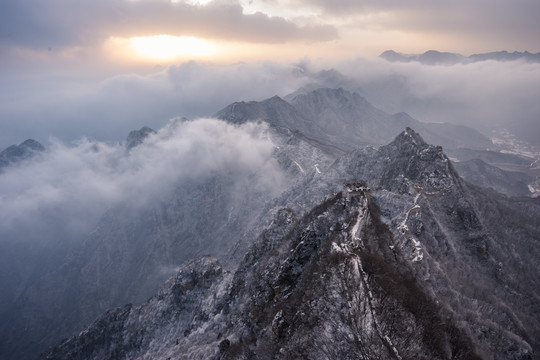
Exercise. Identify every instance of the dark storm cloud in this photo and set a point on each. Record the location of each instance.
(68, 23)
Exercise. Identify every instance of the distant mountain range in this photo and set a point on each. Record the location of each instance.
(434, 57)
(346, 120)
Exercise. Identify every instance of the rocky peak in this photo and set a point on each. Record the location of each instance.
(409, 139)
(137, 137)
(274, 110)
(407, 163)
(32, 145)
(17, 153)
(409, 159)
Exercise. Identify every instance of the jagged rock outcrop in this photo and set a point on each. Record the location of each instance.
(412, 263)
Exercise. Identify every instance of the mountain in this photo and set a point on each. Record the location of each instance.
(17, 153)
(132, 250)
(393, 56)
(434, 57)
(411, 262)
(137, 137)
(506, 56)
(220, 213)
(510, 174)
(342, 121)
(345, 120)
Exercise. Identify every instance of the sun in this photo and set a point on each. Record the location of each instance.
(199, 2)
(168, 47)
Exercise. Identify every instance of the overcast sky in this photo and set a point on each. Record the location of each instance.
(311, 26)
(72, 68)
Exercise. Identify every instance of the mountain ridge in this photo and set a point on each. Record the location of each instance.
(434, 57)
(17, 153)
(345, 120)
(393, 268)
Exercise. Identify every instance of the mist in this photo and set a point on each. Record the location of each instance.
(486, 95)
(489, 95)
(67, 189)
(106, 108)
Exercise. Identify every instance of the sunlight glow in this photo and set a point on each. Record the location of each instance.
(167, 47)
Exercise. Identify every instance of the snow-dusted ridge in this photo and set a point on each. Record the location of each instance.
(338, 282)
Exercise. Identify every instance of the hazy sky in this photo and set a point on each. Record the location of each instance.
(292, 28)
(72, 68)
(104, 30)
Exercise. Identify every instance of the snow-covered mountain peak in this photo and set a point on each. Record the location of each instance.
(409, 136)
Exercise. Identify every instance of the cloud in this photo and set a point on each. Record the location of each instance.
(478, 24)
(66, 190)
(108, 109)
(487, 95)
(484, 95)
(63, 23)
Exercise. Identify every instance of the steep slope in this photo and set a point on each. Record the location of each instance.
(412, 263)
(317, 293)
(346, 117)
(482, 174)
(133, 249)
(283, 117)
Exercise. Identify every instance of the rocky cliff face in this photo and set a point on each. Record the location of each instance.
(412, 263)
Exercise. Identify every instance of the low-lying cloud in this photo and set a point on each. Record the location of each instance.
(108, 109)
(487, 95)
(484, 95)
(71, 187)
